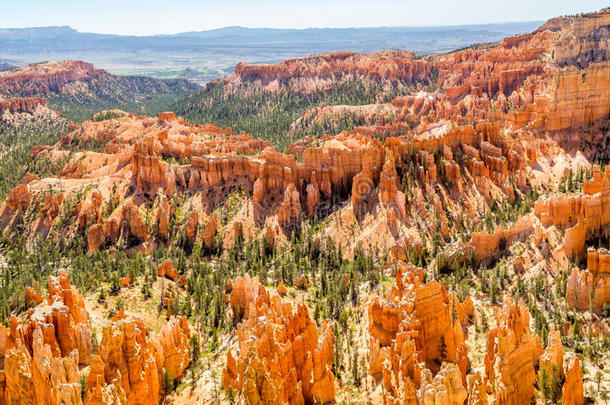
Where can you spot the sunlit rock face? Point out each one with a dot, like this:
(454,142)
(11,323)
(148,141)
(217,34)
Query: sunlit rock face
(281,356)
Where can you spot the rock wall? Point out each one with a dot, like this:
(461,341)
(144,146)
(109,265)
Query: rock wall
(572,391)
(590,288)
(585,215)
(43,78)
(320,72)
(21,105)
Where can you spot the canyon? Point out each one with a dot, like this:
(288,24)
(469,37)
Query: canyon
(449,247)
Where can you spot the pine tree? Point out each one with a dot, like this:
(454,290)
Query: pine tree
(442,348)
(544,384)
(493,293)
(195,348)
(115,285)
(355,370)
(167,383)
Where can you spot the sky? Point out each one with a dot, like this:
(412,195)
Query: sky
(146,17)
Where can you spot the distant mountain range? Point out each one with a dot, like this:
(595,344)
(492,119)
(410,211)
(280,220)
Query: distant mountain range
(206,55)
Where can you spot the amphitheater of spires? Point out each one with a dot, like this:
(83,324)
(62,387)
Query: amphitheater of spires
(501,123)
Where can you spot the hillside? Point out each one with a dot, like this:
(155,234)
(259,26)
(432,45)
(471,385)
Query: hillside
(288,93)
(78,89)
(446,243)
(208,55)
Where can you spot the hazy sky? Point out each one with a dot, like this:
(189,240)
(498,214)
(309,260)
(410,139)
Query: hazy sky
(142,17)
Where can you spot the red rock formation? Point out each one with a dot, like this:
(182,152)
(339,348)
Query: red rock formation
(32,297)
(388,189)
(43,78)
(590,288)
(444,389)
(95,237)
(412,332)
(175,341)
(486,245)
(290,207)
(552,359)
(128,365)
(512,351)
(383,66)
(167,269)
(281,358)
(209,232)
(281,288)
(313,198)
(585,215)
(477,393)
(98,392)
(41,356)
(40,377)
(21,105)
(18,198)
(572,387)
(125,281)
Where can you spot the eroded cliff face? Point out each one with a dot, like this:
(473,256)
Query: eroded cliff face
(541,80)
(43,78)
(281,358)
(585,217)
(321,72)
(21,105)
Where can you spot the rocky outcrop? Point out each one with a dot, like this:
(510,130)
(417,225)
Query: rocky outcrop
(585,215)
(43,78)
(551,360)
(32,297)
(572,391)
(412,334)
(209,232)
(174,339)
(83,83)
(590,288)
(486,246)
(21,105)
(39,376)
(41,356)
(281,357)
(167,269)
(444,389)
(477,393)
(388,189)
(512,352)
(326,69)
(128,364)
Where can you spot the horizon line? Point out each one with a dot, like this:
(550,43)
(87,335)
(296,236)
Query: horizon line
(279,28)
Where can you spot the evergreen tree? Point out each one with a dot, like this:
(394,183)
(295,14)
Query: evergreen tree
(195,348)
(167,383)
(442,348)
